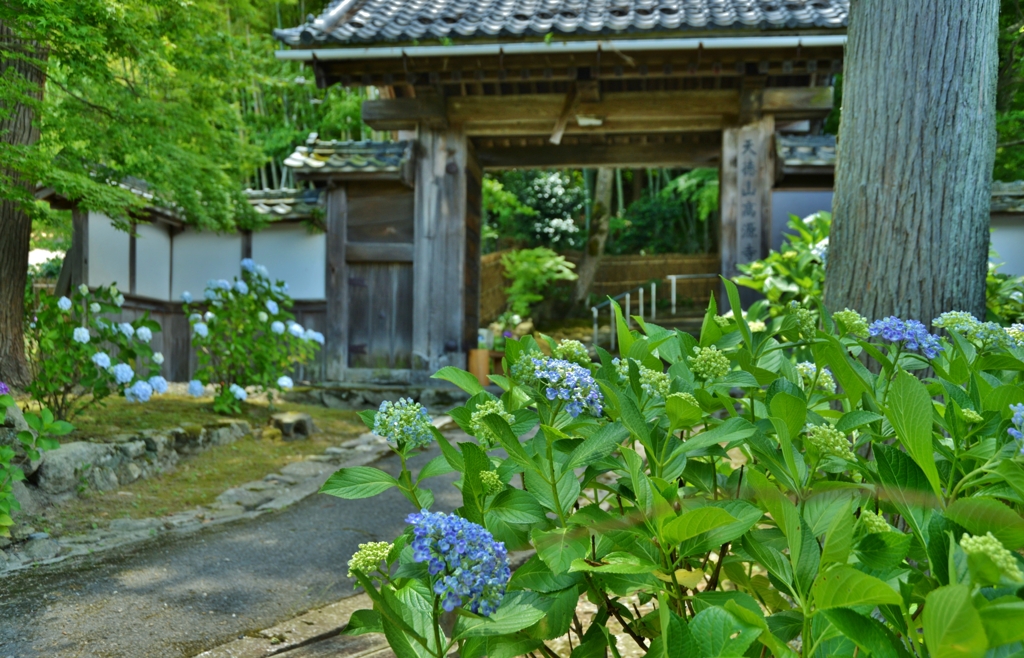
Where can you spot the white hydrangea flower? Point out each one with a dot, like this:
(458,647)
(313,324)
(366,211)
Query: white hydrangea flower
(285,382)
(119,300)
(238,392)
(295,329)
(271,307)
(200,329)
(80,335)
(64,304)
(127,329)
(94,307)
(101,359)
(262,316)
(122,373)
(277,327)
(144,334)
(186,297)
(158,358)
(84,289)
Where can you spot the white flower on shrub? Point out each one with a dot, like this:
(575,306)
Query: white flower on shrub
(295,329)
(272,307)
(144,334)
(186,297)
(119,300)
(262,317)
(158,358)
(285,382)
(200,329)
(84,289)
(94,307)
(263,271)
(209,316)
(314,336)
(64,304)
(195,388)
(80,335)
(101,359)
(127,329)
(159,384)
(195,317)
(277,327)
(238,392)
(210,293)
(557,228)
(122,373)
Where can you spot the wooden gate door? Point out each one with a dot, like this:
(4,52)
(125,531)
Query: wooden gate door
(379,253)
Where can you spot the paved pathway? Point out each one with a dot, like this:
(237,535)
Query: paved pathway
(179,596)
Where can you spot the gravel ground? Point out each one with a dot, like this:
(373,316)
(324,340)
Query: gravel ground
(178,596)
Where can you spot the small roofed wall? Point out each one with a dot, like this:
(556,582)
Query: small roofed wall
(201,256)
(295,255)
(153,261)
(108,253)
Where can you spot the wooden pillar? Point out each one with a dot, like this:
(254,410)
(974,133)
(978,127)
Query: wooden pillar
(439,250)
(474,215)
(747,176)
(336,288)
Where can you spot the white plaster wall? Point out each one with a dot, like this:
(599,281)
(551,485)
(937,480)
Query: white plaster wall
(153,261)
(795,202)
(199,257)
(108,253)
(1008,243)
(295,255)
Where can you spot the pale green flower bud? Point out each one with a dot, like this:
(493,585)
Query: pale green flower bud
(686,396)
(829,441)
(483,433)
(492,483)
(709,363)
(855,323)
(874,523)
(994,549)
(971,416)
(572,351)
(368,557)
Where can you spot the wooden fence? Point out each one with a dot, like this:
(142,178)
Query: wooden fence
(615,275)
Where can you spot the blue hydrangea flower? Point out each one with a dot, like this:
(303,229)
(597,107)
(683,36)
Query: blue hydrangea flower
(238,392)
(210,294)
(128,330)
(911,333)
(101,359)
(248,264)
(186,297)
(271,306)
(80,335)
(1017,431)
(241,287)
(404,423)
(223,284)
(200,329)
(195,388)
(285,382)
(314,336)
(295,329)
(144,334)
(122,373)
(159,384)
(64,304)
(263,271)
(561,380)
(140,391)
(4,389)
(468,568)
(277,327)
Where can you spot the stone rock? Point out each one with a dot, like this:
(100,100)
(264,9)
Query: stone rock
(348,402)
(258,485)
(160,444)
(134,525)
(305,469)
(133,449)
(39,535)
(41,549)
(61,470)
(27,498)
(247,499)
(102,478)
(375,398)
(22,531)
(287,479)
(293,424)
(336,451)
(15,419)
(5,542)
(129,472)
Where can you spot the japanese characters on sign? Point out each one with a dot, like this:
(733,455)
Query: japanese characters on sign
(748,229)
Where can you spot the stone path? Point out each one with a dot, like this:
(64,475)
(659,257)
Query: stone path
(179,595)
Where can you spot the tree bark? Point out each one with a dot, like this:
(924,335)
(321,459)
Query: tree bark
(17,127)
(599,220)
(914,171)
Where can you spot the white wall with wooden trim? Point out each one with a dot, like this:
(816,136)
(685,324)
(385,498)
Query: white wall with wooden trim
(295,255)
(108,257)
(1008,243)
(152,261)
(201,256)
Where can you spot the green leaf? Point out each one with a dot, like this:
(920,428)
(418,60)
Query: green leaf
(868,634)
(1003,622)
(464,380)
(615,562)
(910,412)
(755,619)
(516,506)
(559,547)
(904,484)
(597,446)
(675,640)
(358,482)
(681,412)
(518,610)
(732,430)
(362,622)
(718,633)
(843,587)
(472,488)
(792,410)
(509,441)
(695,522)
(855,419)
(537,576)
(838,537)
(437,466)
(982,514)
(881,551)
(952,627)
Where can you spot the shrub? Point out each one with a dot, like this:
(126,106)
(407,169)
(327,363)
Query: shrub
(531,271)
(749,506)
(245,337)
(78,357)
(42,428)
(1004,296)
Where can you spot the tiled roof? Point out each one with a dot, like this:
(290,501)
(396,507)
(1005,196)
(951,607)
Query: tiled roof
(284,203)
(344,157)
(1008,197)
(806,150)
(375,21)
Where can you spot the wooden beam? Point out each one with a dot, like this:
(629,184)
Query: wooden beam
(596,155)
(607,126)
(378,252)
(568,106)
(336,288)
(404,113)
(797,102)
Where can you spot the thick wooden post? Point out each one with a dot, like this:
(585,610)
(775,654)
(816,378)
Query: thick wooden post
(336,288)
(747,175)
(439,250)
(474,220)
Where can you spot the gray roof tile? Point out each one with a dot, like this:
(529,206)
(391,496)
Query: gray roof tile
(325,156)
(806,151)
(376,21)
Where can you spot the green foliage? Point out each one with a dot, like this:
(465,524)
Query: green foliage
(1004,296)
(531,271)
(69,374)
(245,336)
(716,505)
(533,208)
(28,446)
(1009,164)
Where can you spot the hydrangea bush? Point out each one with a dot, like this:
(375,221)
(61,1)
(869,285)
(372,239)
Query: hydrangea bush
(759,508)
(79,356)
(245,337)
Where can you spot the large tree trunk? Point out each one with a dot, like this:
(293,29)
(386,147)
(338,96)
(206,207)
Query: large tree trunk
(599,219)
(916,149)
(20,129)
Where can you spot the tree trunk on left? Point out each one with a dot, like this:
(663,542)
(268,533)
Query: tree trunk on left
(18,128)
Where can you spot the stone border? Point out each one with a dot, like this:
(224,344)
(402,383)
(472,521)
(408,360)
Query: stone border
(274,492)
